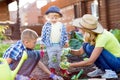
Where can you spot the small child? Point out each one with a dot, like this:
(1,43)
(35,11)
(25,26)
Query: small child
(54,37)
(14,53)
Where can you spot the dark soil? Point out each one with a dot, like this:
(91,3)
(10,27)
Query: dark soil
(38,74)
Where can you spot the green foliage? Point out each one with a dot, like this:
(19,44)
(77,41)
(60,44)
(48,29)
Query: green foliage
(2,31)
(54,59)
(3,48)
(65,52)
(37,47)
(64,65)
(116,33)
(76,40)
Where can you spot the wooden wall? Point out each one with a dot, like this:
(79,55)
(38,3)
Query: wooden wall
(4,14)
(109,11)
(113,13)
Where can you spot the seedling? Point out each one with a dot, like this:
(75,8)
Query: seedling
(76,77)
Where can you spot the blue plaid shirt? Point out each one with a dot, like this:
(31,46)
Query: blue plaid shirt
(15,51)
(45,37)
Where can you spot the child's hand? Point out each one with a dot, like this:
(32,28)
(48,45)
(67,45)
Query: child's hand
(55,77)
(42,46)
(64,65)
(66,45)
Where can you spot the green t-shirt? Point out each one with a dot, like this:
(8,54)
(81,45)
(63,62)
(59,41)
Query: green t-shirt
(109,42)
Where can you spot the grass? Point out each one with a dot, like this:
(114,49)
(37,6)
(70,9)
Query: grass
(37,47)
(3,48)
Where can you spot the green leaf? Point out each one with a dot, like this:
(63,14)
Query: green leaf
(116,33)
(75,44)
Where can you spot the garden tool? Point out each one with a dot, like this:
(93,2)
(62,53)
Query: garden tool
(76,77)
(42,53)
(5,71)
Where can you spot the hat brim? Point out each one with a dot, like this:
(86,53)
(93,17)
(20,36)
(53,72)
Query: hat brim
(54,12)
(77,23)
(99,29)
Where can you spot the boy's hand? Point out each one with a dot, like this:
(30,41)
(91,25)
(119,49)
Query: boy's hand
(64,65)
(55,77)
(42,46)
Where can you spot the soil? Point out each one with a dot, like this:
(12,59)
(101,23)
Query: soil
(38,74)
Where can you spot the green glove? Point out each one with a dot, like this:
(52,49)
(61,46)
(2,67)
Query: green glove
(64,65)
(66,51)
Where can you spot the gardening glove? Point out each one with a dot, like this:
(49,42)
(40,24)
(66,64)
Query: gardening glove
(55,77)
(66,51)
(64,65)
(21,77)
(42,53)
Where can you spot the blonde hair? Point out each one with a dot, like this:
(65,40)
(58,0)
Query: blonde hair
(28,34)
(89,36)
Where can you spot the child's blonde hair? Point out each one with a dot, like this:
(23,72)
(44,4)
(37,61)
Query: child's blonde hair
(89,36)
(28,34)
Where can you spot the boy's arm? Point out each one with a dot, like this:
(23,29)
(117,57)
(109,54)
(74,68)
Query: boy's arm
(44,68)
(51,75)
(9,60)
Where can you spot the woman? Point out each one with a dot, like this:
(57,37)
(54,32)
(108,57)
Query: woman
(102,48)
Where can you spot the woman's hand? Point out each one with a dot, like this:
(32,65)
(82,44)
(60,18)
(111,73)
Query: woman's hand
(66,45)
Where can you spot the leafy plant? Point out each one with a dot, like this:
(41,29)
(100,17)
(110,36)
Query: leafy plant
(3,48)
(2,31)
(37,47)
(76,40)
(116,33)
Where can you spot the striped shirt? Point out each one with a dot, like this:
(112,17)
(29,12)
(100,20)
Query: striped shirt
(46,32)
(15,51)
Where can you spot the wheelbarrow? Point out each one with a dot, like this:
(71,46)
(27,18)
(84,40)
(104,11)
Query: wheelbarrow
(76,77)
(5,71)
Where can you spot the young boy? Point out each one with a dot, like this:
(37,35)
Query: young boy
(54,37)
(14,53)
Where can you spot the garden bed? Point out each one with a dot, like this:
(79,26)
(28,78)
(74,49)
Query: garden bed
(38,74)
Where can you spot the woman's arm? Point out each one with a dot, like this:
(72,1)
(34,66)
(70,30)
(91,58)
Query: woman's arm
(95,54)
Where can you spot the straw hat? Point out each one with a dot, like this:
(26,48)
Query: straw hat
(88,22)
